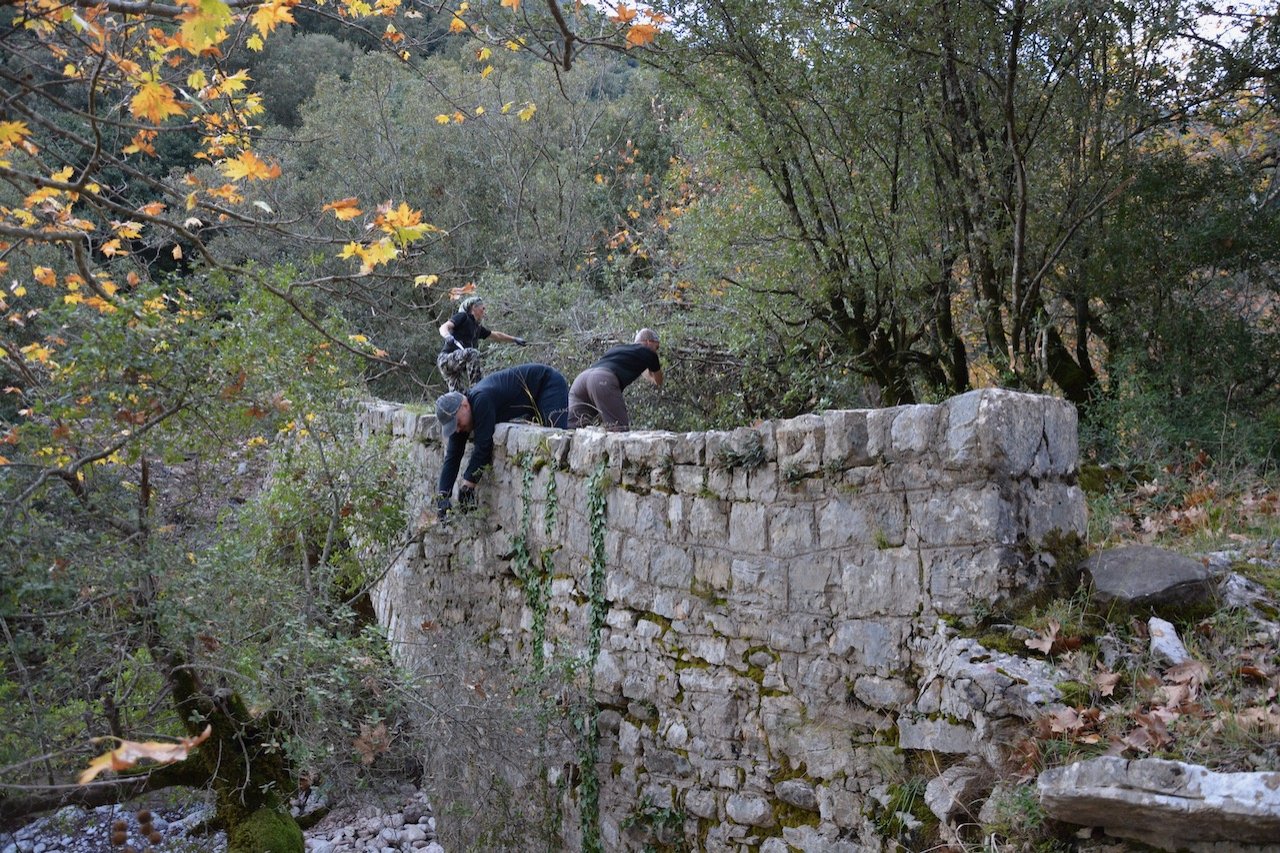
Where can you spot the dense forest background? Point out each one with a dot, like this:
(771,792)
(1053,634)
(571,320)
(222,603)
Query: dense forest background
(224,224)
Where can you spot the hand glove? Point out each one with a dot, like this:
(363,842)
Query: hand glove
(443,505)
(467,500)
(520,342)
(452,340)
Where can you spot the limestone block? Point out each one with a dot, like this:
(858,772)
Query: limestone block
(1164,801)
(649,448)
(968,515)
(709,520)
(608,672)
(1146,576)
(748,528)
(845,443)
(880,434)
(671,604)
(800,444)
(677,520)
(876,645)
(625,589)
(955,792)
(883,582)
(1009,433)
(702,803)
(676,735)
(589,449)
(689,479)
(1047,507)
(808,581)
(872,519)
(825,751)
(760,580)
(404,423)
(878,692)
(761,485)
(689,449)
(662,762)
(791,531)
(712,569)
(648,629)
(670,566)
(798,793)
(709,649)
(1166,646)
(748,809)
(959,578)
(718,482)
(914,432)
(975,679)
(936,735)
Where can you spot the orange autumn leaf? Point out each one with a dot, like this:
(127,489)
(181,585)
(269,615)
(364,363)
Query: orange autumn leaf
(344,209)
(129,753)
(513,5)
(641,34)
(623,15)
(155,102)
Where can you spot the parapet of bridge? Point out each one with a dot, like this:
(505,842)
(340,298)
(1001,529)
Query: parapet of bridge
(773,622)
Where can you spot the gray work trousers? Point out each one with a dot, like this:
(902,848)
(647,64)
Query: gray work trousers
(596,398)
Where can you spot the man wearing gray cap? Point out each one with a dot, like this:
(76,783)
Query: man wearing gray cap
(533,392)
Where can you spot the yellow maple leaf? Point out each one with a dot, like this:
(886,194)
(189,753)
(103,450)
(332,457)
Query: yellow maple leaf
(271,15)
(442,118)
(12,133)
(45,276)
(204,24)
(457,25)
(344,209)
(482,54)
(129,753)
(418,281)
(377,253)
(249,165)
(155,102)
(488,69)
(528,111)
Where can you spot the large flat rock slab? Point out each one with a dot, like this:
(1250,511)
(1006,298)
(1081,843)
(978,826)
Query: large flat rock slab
(1164,803)
(1146,576)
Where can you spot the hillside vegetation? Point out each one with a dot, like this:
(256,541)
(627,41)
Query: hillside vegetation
(223,223)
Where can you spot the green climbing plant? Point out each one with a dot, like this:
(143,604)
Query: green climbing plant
(587,724)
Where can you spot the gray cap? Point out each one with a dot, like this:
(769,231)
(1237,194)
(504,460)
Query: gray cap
(447,406)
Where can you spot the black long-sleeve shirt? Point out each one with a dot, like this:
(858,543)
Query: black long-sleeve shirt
(500,397)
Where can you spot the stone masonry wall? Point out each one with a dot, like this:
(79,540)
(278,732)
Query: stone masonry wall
(775,601)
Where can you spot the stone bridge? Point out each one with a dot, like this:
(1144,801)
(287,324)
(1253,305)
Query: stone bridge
(759,620)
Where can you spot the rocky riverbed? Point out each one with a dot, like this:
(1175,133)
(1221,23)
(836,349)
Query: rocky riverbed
(389,823)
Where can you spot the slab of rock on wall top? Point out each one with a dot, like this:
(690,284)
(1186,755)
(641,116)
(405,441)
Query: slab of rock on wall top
(771,629)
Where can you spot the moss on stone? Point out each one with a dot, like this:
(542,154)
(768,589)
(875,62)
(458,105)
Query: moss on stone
(1074,693)
(266,831)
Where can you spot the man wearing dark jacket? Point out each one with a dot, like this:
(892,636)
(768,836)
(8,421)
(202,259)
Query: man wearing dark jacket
(533,392)
(596,396)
